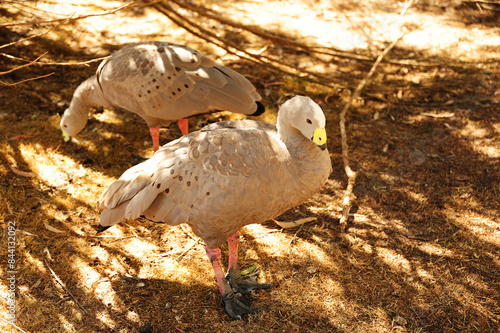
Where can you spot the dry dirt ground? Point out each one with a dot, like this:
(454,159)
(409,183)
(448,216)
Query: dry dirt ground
(421,252)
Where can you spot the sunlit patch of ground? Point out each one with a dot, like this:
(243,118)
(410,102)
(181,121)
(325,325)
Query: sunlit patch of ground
(368,25)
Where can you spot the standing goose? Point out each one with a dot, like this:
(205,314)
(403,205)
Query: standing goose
(161,82)
(223,177)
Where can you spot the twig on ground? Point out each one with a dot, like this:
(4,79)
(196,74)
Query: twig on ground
(293,238)
(23,173)
(127,237)
(13,325)
(351,174)
(187,232)
(295,223)
(54,275)
(187,250)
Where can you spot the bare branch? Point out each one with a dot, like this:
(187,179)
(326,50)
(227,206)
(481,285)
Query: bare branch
(54,275)
(111,11)
(318,49)
(232,48)
(13,325)
(351,174)
(31,37)
(30,79)
(264,33)
(41,63)
(22,66)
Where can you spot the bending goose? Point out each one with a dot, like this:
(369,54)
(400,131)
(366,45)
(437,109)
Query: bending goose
(223,177)
(161,82)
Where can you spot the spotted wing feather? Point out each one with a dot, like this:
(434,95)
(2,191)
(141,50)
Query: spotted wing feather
(165,81)
(189,176)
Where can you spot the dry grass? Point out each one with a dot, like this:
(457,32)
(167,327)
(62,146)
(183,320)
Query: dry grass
(422,249)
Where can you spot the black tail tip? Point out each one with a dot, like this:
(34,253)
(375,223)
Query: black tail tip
(260,109)
(100,228)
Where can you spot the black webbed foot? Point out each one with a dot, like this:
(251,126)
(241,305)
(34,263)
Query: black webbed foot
(236,306)
(245,284)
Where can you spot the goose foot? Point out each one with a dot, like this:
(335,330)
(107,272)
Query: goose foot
(245,284)
(236,306)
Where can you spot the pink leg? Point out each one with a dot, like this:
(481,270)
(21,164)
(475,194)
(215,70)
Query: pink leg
(240,284)
(155,135)
(183,126)
(233,250)
(215,256)
(234,305)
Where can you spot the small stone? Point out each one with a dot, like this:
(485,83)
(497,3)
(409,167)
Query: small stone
(66,247)
(146,328)
(400,321)
(311,270)
(416,157)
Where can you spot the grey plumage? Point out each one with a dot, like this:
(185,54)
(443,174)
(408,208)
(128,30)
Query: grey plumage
(161,82)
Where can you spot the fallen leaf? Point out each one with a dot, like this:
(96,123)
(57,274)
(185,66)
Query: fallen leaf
(51,228)
(248,270)
(438,115)
(23,173)
(295,223)
(37,283)
(25,232)
(20,136)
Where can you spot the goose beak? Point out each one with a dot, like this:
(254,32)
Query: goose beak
(319,138)
(66,136)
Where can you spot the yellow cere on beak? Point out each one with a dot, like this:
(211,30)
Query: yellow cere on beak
(66,136)
(319,138)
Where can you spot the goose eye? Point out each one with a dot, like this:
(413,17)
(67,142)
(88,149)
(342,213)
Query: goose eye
(309,121)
